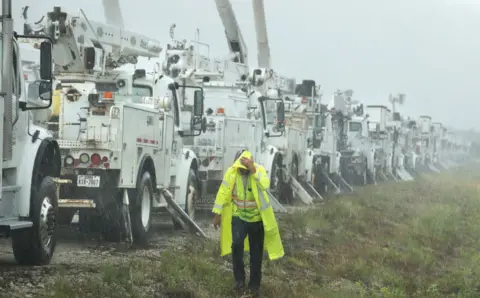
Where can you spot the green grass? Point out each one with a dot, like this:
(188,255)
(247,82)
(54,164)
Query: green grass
(410,239)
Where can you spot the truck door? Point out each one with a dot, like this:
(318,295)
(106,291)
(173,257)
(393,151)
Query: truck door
(164,154)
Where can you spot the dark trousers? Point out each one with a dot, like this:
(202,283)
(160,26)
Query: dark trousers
(255,233)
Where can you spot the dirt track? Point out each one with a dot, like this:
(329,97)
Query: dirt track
(76,253)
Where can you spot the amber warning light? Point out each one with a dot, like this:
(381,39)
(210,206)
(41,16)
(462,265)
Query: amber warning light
(107,96)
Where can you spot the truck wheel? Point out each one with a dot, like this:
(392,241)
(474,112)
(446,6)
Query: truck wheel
(141,213)
(36,245)
(190,197)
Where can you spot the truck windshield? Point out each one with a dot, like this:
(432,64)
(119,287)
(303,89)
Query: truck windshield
(271,111)
(138,91)
(355,126)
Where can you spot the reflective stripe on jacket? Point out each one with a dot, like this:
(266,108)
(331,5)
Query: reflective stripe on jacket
(244,204)
(259,182)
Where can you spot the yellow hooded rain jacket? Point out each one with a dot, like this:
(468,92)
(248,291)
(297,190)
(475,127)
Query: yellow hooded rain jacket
(224,206)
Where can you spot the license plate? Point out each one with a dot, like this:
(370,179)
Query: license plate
(88,181)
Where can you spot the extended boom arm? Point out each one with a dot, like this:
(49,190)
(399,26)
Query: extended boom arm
(83,46)
(232,31)
(263,47)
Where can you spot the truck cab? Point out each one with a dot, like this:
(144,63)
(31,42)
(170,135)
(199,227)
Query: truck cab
(30,156)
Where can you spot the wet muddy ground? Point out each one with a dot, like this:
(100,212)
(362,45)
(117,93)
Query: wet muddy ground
(77,252)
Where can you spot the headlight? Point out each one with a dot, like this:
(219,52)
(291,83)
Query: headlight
(68,160)
(84,158)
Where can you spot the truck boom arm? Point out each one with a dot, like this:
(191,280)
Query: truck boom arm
(113,13)
(263,47)
(234,36)
(76,38)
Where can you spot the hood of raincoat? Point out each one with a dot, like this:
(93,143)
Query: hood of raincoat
(237,164)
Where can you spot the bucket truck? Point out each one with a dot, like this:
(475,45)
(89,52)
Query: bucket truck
(328,129)
(355,158)
(30,156)
(400,139)
(337,160)
(399,131)
(437,135)
(121,132)
(427,143)
(378,116)
(232,124)
(282,160)
(442,152)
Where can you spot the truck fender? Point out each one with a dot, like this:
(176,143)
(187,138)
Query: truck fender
(188,160)
(146,162)
(32,157)
(267,158)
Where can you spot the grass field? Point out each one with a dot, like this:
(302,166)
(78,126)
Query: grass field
(410,239)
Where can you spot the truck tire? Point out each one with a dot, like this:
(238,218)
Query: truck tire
(36,245)
(141,212)
(190,196)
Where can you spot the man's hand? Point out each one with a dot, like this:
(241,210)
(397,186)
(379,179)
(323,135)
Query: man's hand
(247,162)
(216,221)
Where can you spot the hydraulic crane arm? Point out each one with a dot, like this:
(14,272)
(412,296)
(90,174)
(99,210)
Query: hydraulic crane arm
(235,40)
(263,47)
(81,45)
(113,13)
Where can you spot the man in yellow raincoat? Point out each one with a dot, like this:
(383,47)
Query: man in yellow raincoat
(242,208)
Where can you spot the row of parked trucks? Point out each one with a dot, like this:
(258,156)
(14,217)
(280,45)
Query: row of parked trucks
(83,132)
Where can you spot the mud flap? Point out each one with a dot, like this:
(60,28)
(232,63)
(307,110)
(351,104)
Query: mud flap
(126,216)
(180,215)
(330,183)
(276,205)
(299,191)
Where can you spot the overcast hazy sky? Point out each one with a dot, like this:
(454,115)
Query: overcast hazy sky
(428,49)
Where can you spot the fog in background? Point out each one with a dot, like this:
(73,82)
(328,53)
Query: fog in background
(428,49)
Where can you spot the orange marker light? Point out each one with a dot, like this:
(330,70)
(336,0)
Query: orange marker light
(220,111)
(107,95)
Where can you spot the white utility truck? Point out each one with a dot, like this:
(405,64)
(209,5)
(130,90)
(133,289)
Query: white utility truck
(328,131)
(121,132)
(30,156)
(286,145)
(427,143)
(231,123)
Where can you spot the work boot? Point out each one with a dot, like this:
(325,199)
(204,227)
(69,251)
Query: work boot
(254,292)
(239,288)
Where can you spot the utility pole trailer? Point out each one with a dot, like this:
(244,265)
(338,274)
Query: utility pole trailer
(30,156)
(121,133)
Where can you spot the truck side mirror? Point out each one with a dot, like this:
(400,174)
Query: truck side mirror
(280,115)
(198,103)
(46,61)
